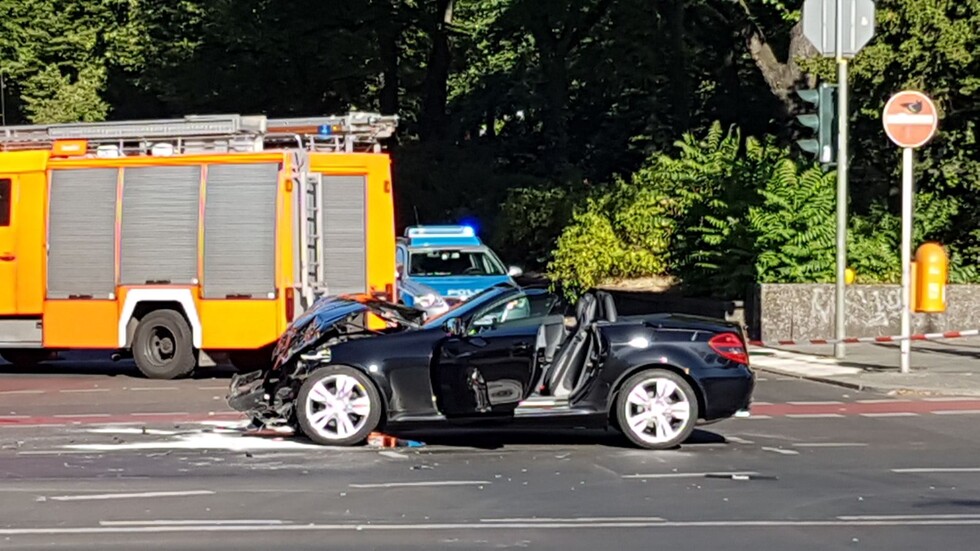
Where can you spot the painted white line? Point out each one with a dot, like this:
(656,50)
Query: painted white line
(391,454)
(70,415)
(690,475)
(813,415)
(938,470)
(826,403)
(944,399)
(455,527)
(908,517)
(76,390)
(22,392)
(780,450)
(957,412)
(14,417)
(577,519)
(90,497)
(737,440)
(191,522)
(54,452)
(212,388)
(754,416)
(891,414)
(420,484)
(830,445)
(882,401)
(141,388)
(761,403)
(159,414)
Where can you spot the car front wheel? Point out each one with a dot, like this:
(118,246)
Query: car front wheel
(338,406)
(657,409)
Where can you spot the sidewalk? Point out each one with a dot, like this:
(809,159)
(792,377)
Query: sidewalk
(939,368)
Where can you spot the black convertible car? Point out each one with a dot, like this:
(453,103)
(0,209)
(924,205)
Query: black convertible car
(506,354)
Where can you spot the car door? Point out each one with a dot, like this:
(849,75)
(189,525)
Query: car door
(488,370)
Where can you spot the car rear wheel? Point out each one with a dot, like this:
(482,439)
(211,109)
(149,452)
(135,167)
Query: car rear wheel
(338,406)
(657,409)
(162,346)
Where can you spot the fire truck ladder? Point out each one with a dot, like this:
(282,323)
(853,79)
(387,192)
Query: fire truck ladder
(209,134)
(313,282)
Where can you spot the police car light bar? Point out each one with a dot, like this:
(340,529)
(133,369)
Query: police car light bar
(439,231)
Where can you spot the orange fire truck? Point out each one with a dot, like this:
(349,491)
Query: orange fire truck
(182,241)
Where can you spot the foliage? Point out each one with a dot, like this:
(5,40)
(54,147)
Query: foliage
(515,111)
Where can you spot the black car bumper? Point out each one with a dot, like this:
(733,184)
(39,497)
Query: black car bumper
(726,394)
(247,393)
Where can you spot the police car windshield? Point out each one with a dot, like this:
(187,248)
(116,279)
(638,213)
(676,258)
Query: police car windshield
(454,262)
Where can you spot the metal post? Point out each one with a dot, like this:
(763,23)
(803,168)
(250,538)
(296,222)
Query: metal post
(907,197)
(840,323)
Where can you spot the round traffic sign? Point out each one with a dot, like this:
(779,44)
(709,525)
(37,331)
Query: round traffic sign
(910,119)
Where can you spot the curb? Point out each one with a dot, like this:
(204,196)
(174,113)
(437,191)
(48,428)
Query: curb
(890,390)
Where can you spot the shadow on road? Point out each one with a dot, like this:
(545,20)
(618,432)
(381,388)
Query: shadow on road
(100,363)
(498,438)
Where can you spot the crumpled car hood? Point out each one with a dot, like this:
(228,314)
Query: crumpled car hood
(310,328)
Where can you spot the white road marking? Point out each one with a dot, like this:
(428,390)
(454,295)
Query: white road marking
(780,450)
(159,414)
(830,445)
(882,401)
(909,517)
(89,497)
(141,388)
(191,522)
(70,415)
(14,417)
(944,399)
(421,484)
(761,403)
(938,470)
(393,455)
(813,415)
(891,414)
(212,388)
(754,416)
(74,390)
(738,440)
(690,475)
(54,452)
(578,519)
(825,403)
(22,392)
(957,412)
(457,526)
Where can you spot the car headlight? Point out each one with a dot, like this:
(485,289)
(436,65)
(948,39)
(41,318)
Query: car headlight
(428,300)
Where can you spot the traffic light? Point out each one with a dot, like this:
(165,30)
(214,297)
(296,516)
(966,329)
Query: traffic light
(823,122)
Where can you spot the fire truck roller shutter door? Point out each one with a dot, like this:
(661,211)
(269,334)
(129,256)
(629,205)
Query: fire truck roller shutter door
(159,233)
(240,231)
(344,239)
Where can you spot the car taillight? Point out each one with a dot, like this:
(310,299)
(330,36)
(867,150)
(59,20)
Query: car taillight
(290,304)
(729,346)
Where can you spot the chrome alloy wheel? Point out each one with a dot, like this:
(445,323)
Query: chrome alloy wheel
(657,410)
(337,407)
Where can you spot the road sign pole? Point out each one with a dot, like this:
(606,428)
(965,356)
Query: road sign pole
(840,324)
(907,198)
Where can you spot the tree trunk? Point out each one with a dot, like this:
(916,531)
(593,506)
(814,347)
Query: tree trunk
(388,49)
(435,95)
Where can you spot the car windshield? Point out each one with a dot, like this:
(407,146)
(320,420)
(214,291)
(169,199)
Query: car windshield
(454,262)
(476,301)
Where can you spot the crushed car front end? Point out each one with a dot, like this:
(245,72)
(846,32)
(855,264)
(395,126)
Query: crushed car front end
(267,396)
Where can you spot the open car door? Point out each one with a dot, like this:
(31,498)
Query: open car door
(488,366)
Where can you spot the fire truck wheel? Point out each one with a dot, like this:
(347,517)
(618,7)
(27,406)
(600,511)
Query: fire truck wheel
(162,347)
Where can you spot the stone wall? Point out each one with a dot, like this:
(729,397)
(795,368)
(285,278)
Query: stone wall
(807,311)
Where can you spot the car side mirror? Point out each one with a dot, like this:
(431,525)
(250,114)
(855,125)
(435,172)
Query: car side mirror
(454,326)
(514,271)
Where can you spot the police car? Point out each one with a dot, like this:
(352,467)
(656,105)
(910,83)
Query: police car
(440,266)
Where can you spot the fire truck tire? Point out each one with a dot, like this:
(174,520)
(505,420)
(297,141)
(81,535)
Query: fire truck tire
(163,347)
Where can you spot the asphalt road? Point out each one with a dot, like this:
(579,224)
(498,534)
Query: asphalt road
(815,467)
